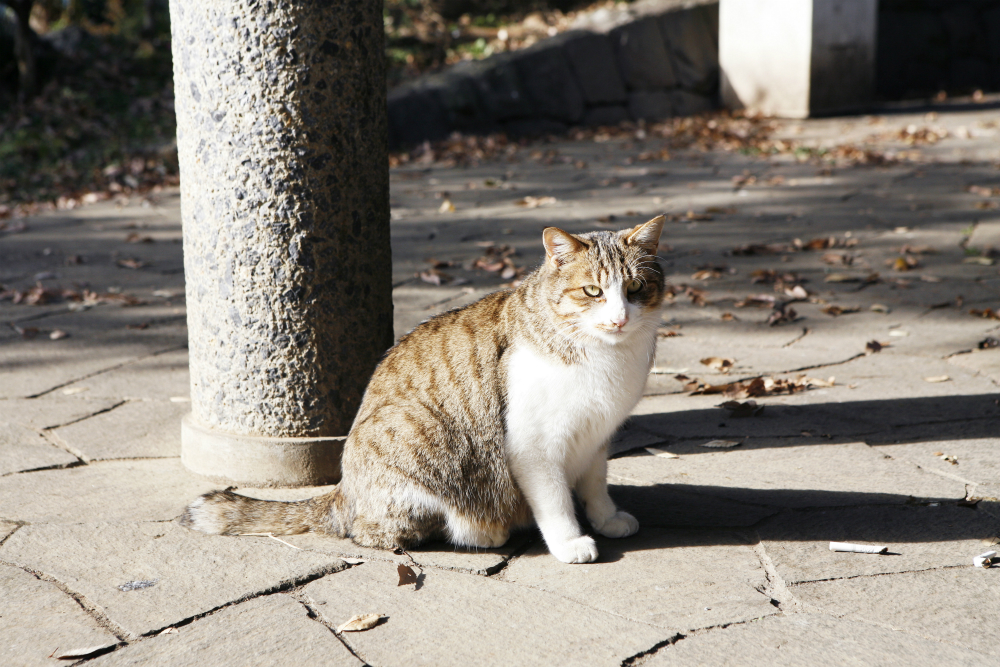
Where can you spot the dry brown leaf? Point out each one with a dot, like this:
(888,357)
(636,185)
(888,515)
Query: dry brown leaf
(406,575)
(135,237)
(706,274)
(721,364)
(360,623)
(873,346)
(840,310)
(986,313)
(131,263)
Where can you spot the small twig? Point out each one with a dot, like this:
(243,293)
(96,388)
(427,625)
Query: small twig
(271,535)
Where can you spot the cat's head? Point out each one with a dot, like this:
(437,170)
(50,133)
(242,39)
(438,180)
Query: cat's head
(604,285)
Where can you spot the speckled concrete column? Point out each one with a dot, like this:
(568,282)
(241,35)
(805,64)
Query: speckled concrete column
(281,131)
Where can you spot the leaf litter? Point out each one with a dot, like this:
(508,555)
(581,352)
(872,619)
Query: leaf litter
(754,387)
(360,623)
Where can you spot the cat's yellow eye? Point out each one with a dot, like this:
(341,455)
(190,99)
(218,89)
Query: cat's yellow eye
(633,286)
(592,290)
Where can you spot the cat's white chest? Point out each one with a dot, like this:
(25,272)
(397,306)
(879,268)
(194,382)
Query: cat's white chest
(565,413)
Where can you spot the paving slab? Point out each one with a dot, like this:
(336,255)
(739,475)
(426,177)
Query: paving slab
(134,429)
(977,460)
(810,639)
(160,377)
(52,410)
(918,538)
(957,606)
(57,622)
(241,634)
(6,528)
(145,490)
(771,472)
(464,619)
(193,573)
(24,449)
(678,580)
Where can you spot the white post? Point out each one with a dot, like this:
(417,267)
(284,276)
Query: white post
(797,58)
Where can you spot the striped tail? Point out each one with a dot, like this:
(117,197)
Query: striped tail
(228,513)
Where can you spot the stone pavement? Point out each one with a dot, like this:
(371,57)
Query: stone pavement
(731,565)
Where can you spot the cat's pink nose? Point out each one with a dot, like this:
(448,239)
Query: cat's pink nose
(620,322)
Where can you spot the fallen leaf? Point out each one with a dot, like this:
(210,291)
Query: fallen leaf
(781,315)
(721,364)
(739,410)
(57,334)
(937,378)
(446,206)
(720,444)
(879,308)
(840,310)
(135,237)
(536,202)
(360,623)
(950,459)
(983,261)
(727,317)
(435,277)
(167,631)
(841,278)
(131,263)
(82,652)
(662,453)
(873,346)
(986,313)
(406,575)
(903,263)
(668,333)
(706,274)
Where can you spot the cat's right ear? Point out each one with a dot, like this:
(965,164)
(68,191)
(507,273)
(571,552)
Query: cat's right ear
(560,246)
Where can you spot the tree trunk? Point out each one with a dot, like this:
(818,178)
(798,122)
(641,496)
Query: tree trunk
(282,140)
(24,50)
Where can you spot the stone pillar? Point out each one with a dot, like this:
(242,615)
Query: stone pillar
(797,58)
(282,140)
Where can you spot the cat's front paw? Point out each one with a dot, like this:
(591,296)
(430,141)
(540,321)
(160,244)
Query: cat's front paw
(582,549)
(621,524)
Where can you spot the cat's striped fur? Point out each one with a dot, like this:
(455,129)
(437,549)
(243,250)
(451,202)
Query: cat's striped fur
(485,418)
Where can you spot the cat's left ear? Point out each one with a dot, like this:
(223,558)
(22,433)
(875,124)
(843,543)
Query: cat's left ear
(647,235)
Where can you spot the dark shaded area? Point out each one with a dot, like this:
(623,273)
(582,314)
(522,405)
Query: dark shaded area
(926,47)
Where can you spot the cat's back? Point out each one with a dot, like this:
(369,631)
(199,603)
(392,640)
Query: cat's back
(452,361)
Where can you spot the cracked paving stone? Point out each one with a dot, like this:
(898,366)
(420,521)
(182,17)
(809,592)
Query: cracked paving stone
(433,554)
(136,429)
(809,639)
(194,573)
(978,458)
(463,619)
(24,449)
(924,537)
(6,528)
(98,341)
(958,606)
(772,473)
(144,490)
(36,619)
(674,579)
(51,410)
(242,634)
(156,378)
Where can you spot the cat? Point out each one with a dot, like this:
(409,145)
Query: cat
(486,418)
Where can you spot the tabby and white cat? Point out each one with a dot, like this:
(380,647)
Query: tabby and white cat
(487,418)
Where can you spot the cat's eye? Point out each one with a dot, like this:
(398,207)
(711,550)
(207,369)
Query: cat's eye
(592,290)
(633,286)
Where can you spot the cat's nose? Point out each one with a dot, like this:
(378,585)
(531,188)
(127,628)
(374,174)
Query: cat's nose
(620,321)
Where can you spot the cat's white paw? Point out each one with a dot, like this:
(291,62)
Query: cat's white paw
(622,524)
(582,549)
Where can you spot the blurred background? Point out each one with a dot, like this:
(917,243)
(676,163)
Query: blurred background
(86,101)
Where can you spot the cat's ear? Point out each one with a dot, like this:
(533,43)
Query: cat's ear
(560,246)
(646,235)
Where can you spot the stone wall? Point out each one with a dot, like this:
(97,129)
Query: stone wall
(925,46)
(655,59)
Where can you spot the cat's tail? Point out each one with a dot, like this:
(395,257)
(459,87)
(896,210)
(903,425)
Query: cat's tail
(228,513)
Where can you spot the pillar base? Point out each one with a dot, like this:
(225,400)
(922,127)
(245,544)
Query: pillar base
(249,460)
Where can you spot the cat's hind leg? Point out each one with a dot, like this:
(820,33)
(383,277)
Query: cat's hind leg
(592,489)
(467,531)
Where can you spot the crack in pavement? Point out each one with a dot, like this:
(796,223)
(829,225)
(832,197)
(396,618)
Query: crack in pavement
(108,369)
(805,332)
(92,610)
(774,588)
(318,616)
(881,574)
